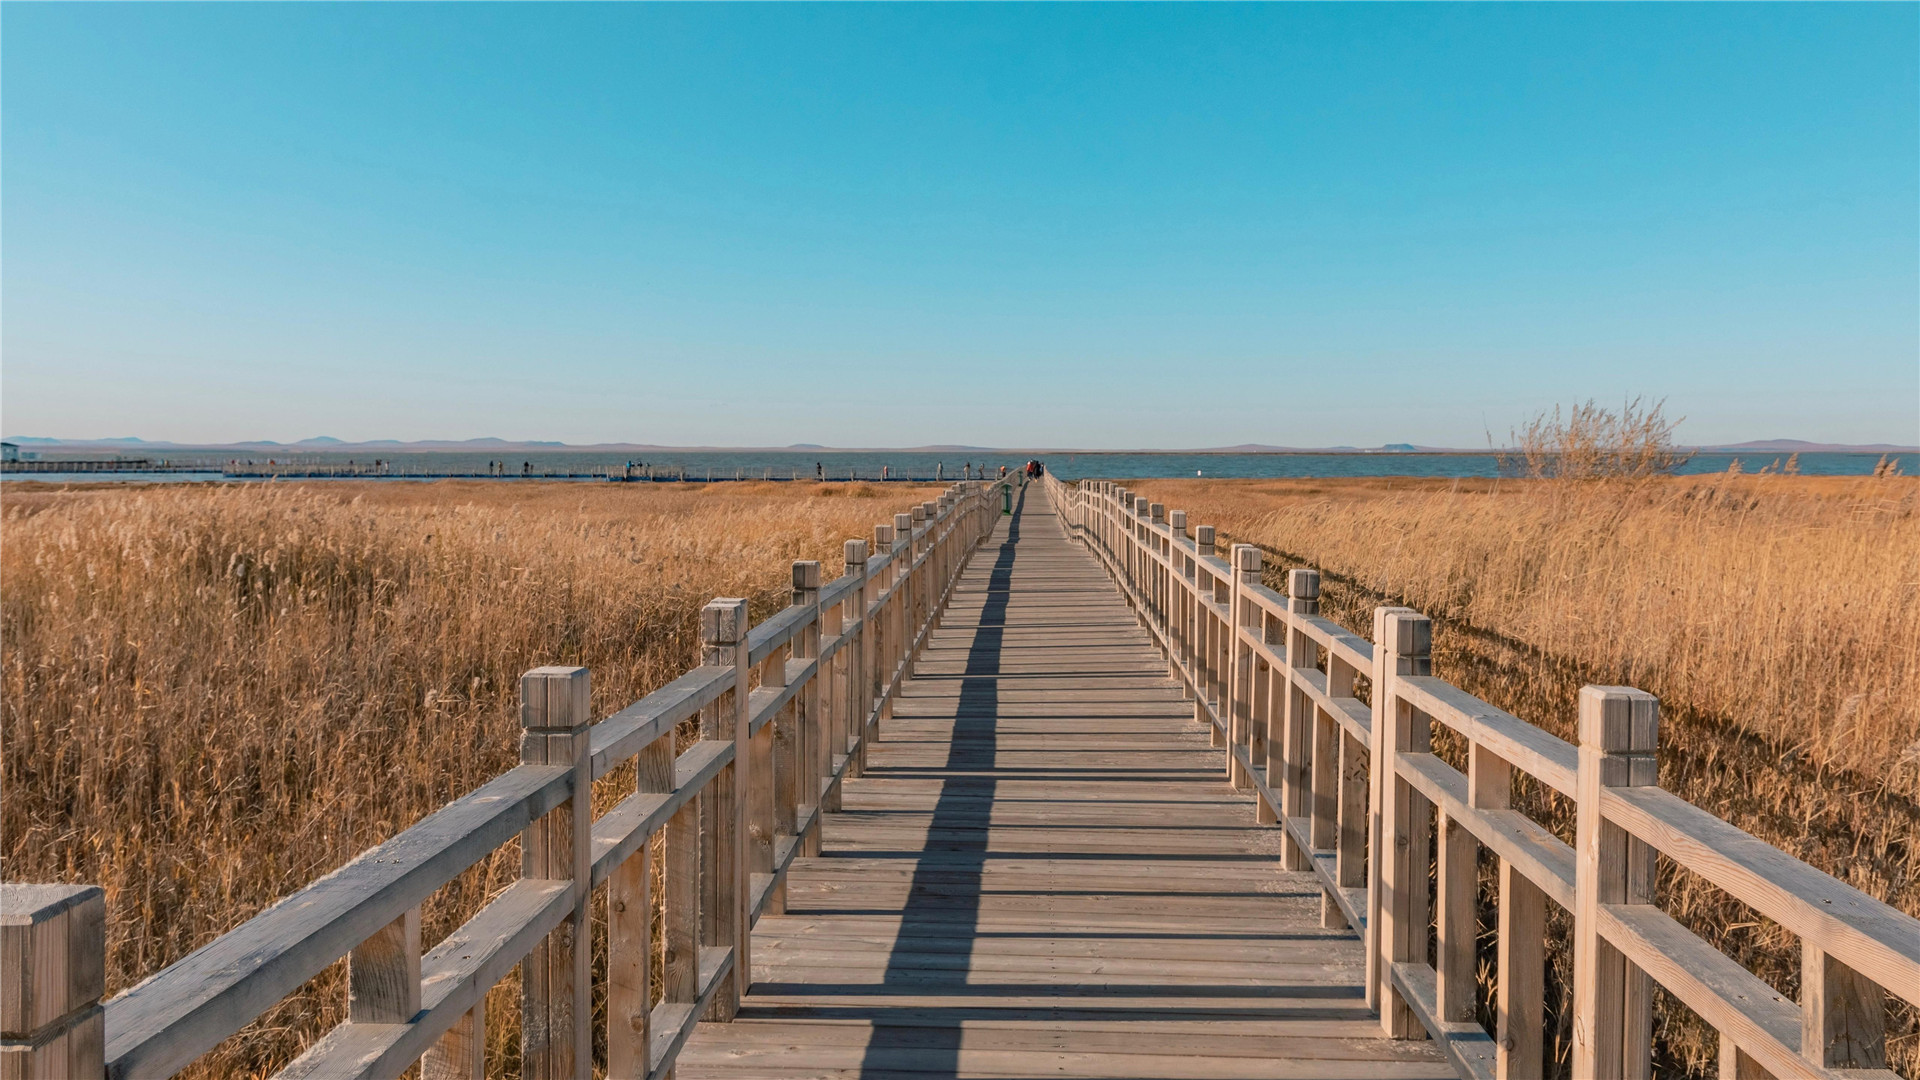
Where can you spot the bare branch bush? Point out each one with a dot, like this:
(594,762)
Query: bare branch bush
(1590,442)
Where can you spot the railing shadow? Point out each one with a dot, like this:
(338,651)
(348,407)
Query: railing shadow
(934,915)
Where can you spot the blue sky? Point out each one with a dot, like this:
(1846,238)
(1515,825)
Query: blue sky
(888,225)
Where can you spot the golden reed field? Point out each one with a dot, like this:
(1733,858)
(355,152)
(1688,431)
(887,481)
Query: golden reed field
(214,695)
(1776,616)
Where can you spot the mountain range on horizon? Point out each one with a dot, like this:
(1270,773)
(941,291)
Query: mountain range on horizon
(490,443)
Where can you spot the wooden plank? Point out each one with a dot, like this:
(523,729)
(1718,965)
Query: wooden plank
(1868,936)
(1754,1016)
(161,1025)
(628,731)
(1519,1000)
(1551,760)
(455,977)
(1465,1043)
(1542,857)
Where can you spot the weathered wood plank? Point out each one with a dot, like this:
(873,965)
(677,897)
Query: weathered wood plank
(159,1026)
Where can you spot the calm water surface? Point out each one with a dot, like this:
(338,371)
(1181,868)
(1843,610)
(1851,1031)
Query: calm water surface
(786,465)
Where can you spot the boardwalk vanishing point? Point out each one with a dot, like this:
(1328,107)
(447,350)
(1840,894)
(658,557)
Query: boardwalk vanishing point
(1040,786)
(1043,873)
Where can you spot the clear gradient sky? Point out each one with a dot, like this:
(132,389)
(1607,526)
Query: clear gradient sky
(1113,226)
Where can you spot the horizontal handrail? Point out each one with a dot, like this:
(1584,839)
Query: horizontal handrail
(1344,779)
(159,1026)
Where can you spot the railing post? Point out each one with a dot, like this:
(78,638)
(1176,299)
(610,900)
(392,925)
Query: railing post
(1156,517)
(886,626)
(919,536)
(760,785)
(1843,1014)
(53,969)
(1287,755)
(1207,639)
(1612,999)
(1403,819)
(859,701)
(1353,818)
(629,941)
(905,588)
(1456,916)
(1519,1016)
(1140,574)
(810,751)
(1179,623)
(723,871)
(1246,571)
(556,994)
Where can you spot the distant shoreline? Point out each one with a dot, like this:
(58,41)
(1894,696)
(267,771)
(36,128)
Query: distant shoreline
(139,449)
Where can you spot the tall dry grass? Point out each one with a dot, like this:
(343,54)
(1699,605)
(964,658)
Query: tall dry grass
(1776,616)
(211,696)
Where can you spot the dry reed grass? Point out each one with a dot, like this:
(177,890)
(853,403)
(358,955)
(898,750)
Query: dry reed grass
(212,696)
(1774,615)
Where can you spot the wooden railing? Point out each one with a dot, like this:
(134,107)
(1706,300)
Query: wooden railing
(784,712)
(1347,778)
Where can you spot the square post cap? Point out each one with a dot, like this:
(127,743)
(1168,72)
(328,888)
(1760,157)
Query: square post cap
(723,621)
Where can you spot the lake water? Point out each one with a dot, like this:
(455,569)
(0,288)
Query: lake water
(785,465)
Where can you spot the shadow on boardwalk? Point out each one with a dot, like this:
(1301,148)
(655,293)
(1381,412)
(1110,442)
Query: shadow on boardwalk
(1043,873)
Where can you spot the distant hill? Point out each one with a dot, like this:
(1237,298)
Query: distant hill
(491,444)
(1801,446)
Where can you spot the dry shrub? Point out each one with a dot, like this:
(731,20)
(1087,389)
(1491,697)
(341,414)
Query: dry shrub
(1594,443)
(214,695)
(1774,615)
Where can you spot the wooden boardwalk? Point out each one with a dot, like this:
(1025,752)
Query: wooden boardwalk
(1043,872)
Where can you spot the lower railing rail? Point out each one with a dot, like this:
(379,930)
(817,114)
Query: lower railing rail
(1346,779)
(736,761)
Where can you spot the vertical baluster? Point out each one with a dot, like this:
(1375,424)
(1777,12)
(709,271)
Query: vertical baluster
(1843,1014)
(1180,622)
(460,1052)
(723,869)
(1612,999)
(1350,857)
(53,969)
(1403,838)
(1262,710)
(832,729)
(556,997)
(760,786)
(1239,712)
(1217,592)
(1736,1065)
(886,634)
(809,747)
(859,702)
(1158,519)
(630,934)
(1520,979)
(1303,598)
(1456,921)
